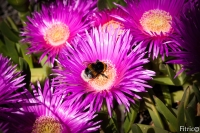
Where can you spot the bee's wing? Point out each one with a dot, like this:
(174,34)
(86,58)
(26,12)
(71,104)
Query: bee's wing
(89,76)
(86,63)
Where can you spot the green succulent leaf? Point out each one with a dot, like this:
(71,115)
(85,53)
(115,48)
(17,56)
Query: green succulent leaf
(177,96)
(196,91)
(45,66)
(38,74)
(169,72)
(190,112)
(7,32)
(131,116)
(162,68)
(181,117)
(1,39)
(188,92)
(182,78)
(136,129)
(153,111)
(101,4)
(109,4)
(122,2)
(172,74)
(108,125)
(150,129)
(19,5)
(163,80)
(10,50)
(23,16)
(182,109)
(23,50)
(169,116)
(166,95)
(12,24)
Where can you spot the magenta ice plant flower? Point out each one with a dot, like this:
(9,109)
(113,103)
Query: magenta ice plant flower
(187,36)
(151,21)
(56,25)
(122,76)
(10,81)
(105,19)
(50,113)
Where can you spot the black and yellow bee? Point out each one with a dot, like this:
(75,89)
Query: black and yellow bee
(93,70)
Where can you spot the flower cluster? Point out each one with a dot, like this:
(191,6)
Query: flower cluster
(98,58)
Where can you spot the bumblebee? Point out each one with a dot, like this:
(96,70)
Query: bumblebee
(93,70)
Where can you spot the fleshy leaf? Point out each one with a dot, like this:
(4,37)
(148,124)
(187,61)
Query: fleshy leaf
(164,80)
(153,111)
(7,32)
(12,24)
(131,116)
(160,106)
(151,129)
(177,80)
(166,95)
(190,112)
(11,50)
(38,74)
(28,58)
(108,125)
(176,96)
(136,129)
(181,109)
(19,5)
(196,91)
(171,75)
(110,3)
(101,4)
(45,66)
(181,117)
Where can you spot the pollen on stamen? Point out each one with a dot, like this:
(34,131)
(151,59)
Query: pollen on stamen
(101,82)
(45,124)
(112,24)
(57,34)
(156,21)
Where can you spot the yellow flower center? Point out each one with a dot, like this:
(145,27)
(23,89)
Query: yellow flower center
(57,34)
(102,82)
(112,24)
(156,21)
(47,124)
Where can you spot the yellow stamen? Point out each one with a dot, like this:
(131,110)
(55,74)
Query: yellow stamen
(47,124)
(112,24)
(156,21)
(57,34)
